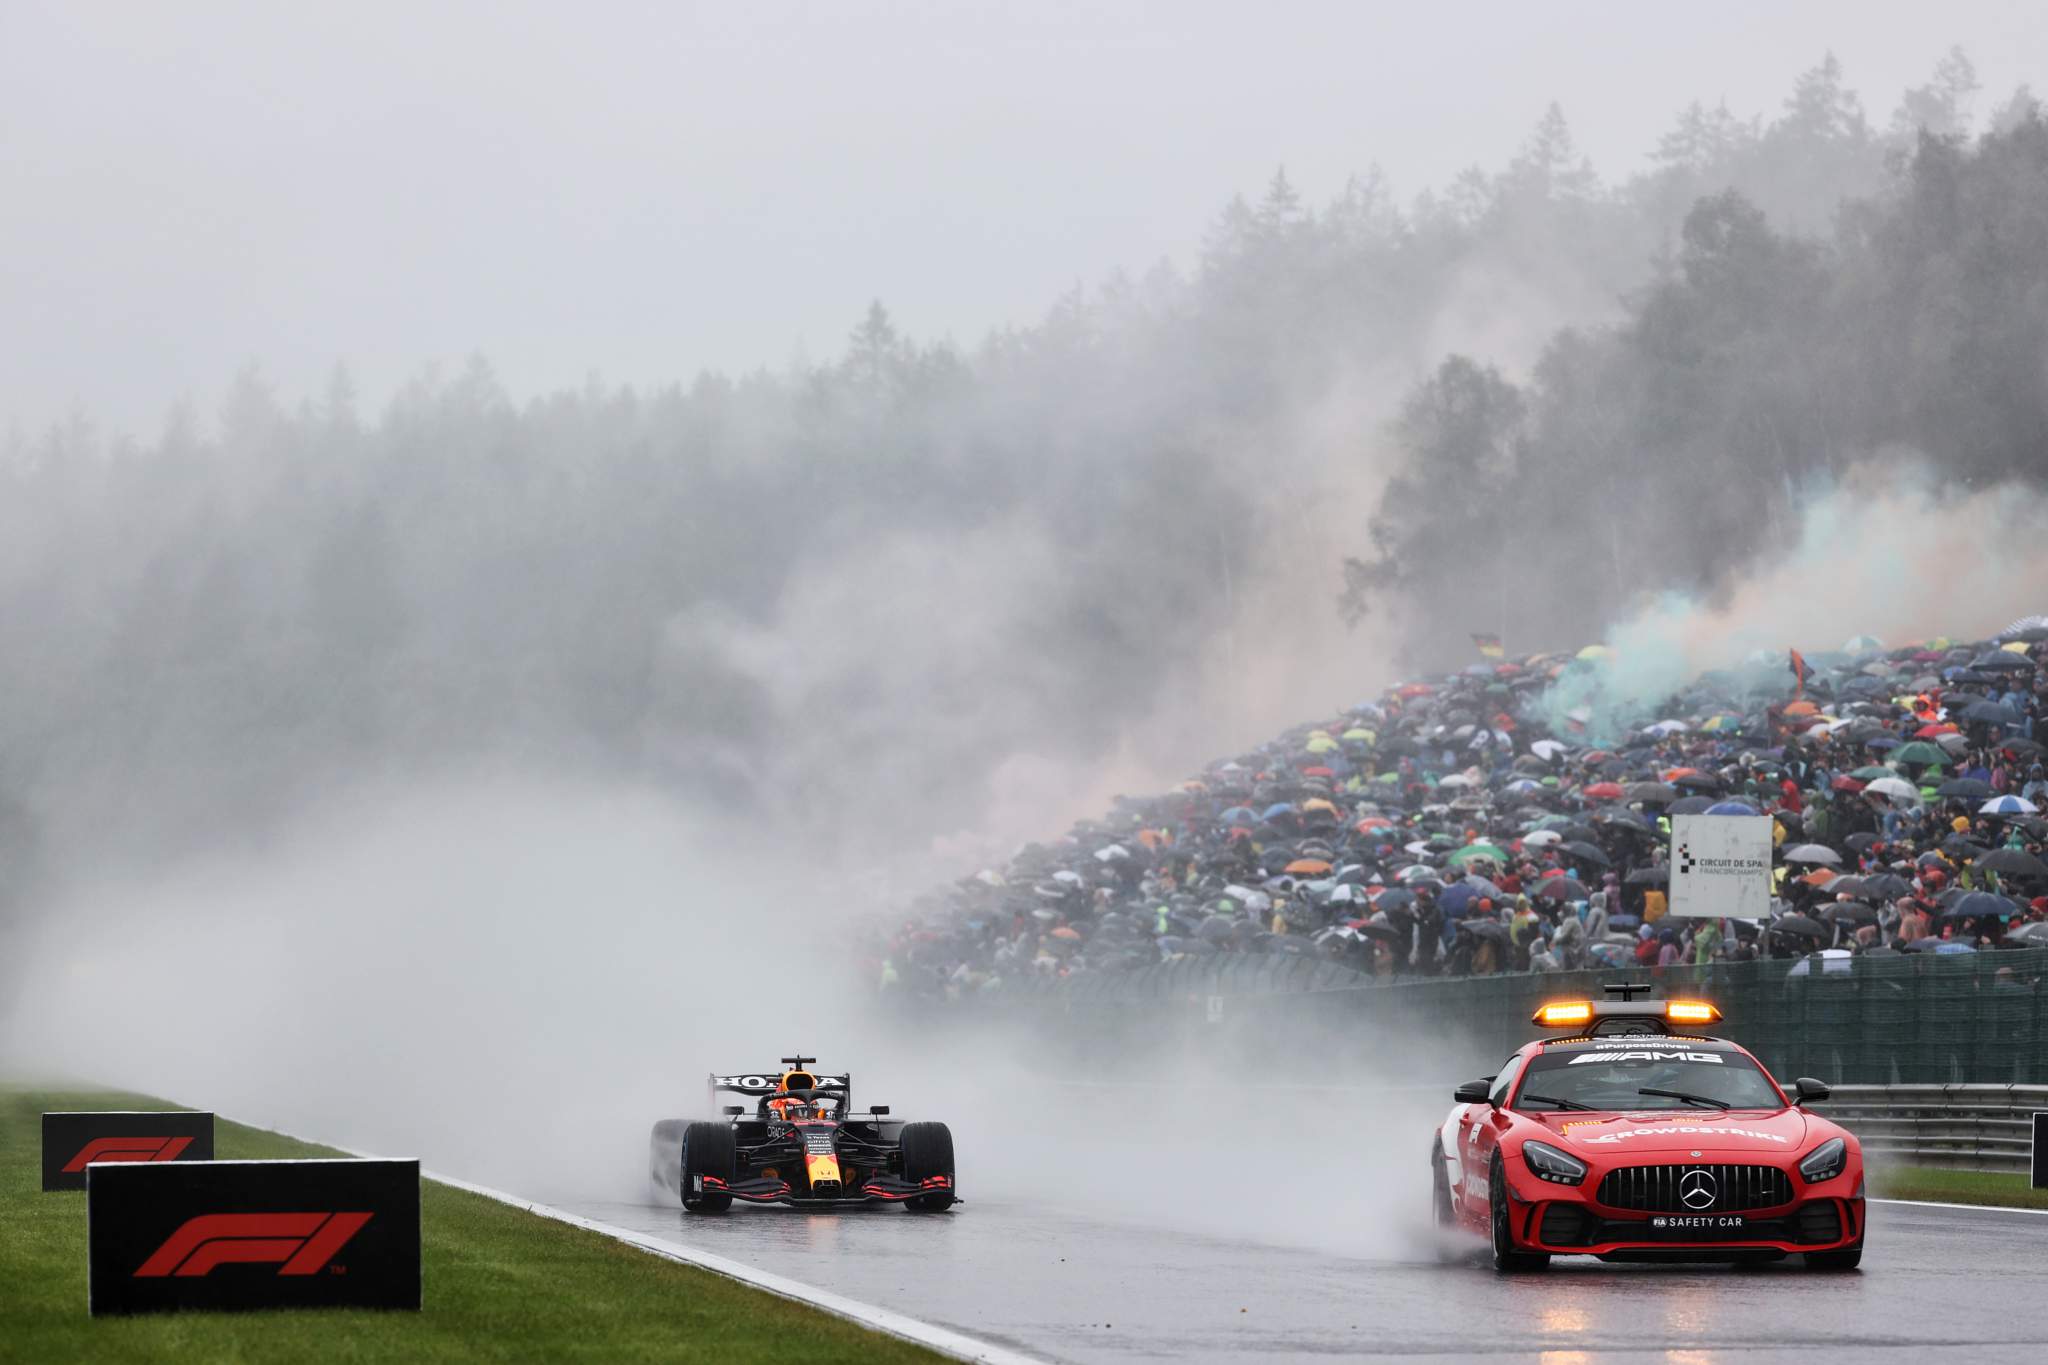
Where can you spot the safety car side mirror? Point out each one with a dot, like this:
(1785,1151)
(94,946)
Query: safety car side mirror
(1473,1092)
(1807,1090)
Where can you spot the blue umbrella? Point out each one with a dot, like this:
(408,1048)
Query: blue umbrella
(2006,805)
(1978,903)
(1944,948)
(1276,810)
(1730,808)
(1457,899)
(1238,815)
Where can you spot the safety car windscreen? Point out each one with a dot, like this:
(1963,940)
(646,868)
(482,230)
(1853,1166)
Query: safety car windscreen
(1614,1077)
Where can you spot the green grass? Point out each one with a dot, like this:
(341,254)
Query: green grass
(500,1285)
(1940,1186)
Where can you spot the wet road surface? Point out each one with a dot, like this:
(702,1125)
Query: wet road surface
(1936,1284)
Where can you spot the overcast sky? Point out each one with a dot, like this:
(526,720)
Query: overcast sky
(644,190)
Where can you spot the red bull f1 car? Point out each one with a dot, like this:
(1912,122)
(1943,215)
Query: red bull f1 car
(1631,1136)
(803,1144)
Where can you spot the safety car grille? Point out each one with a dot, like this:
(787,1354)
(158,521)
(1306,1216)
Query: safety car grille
(1564,1225)
(1820,1221)
(1712,1188)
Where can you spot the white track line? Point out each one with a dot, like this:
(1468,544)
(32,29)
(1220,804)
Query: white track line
(944,1340)
(1966,1208)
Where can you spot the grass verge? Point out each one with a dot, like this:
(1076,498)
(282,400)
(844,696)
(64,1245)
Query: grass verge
(501,1285)
(1937,1185)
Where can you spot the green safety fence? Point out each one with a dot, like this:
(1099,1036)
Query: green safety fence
(1907,1018)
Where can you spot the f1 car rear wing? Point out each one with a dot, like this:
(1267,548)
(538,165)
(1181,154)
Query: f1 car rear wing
(761,1083)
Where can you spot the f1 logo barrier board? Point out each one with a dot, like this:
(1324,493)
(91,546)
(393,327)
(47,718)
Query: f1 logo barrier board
(2039,1173)
(71,1142)
(253,1234)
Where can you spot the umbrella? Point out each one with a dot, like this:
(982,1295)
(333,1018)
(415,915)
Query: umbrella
(1989,713)
(1800,925)
(1485,928)
(2007,805)
(1470,852)
(1977,904)
(1896,788)
(1547,749)
(2002,661)
(1586,852)
(2013,862)
(1541,838)
(1849,912)
(1306,867)
(2035,934)
(1886,886)
(1930,945)
(1812,853)
(1872,773)
(1964,789)
(1561,889)
(1919,751)
(1660,875)
(1651,791)
(1705,782)
(1691,805)
(1730,808)
(1603,791)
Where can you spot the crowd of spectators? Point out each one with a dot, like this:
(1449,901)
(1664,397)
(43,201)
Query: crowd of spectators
(1475,823)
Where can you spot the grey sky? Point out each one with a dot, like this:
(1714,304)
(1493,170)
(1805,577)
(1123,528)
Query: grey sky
(643,190)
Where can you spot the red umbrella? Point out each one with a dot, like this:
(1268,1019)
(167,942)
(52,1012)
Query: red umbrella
(1603,791)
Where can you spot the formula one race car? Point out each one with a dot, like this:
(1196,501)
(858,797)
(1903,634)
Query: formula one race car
(803,1145)
(1630,1139)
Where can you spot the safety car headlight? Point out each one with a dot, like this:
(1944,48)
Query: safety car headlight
(1548,1163)
(1826,1161)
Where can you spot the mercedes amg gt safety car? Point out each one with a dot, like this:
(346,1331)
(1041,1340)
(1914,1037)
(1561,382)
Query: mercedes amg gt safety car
(802,1144)
(1630,1137)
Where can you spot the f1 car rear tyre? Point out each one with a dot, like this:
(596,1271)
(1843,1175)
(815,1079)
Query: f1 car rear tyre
(1848,1258)
(707,1150)
(928,1151)
(1505,1257)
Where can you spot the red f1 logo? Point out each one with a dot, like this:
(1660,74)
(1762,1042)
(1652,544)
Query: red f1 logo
(304,1242)
(127,1149)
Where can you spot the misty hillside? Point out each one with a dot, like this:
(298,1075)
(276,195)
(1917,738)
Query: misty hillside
(847,592)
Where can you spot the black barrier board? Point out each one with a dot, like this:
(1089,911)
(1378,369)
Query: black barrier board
(2040,1180)
(71,1141)
(253,1234)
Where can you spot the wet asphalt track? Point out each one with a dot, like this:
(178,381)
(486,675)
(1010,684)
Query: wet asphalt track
(1936,1284)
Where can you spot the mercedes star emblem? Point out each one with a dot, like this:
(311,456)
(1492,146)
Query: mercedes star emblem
(1697,1189)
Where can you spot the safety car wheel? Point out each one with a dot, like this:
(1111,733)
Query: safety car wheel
(1505,1257)
(928,1151)
(707,1150)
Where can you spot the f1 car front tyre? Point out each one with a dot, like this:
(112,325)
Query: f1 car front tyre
(1505,1257)
(928,1151)
(707,1150)
(1848,1258)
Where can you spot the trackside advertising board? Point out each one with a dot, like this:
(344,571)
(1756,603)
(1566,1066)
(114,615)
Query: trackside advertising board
(252,1234)
(73,1141)
(1721,866)
(2039,1171)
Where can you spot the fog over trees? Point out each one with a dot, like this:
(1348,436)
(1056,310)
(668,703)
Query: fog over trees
(884,574)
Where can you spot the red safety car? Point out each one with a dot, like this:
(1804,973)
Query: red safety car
(1632,1137)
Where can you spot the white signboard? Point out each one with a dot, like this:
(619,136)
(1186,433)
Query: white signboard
(1721,866)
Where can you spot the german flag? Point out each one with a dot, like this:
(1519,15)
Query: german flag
(1490,646)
